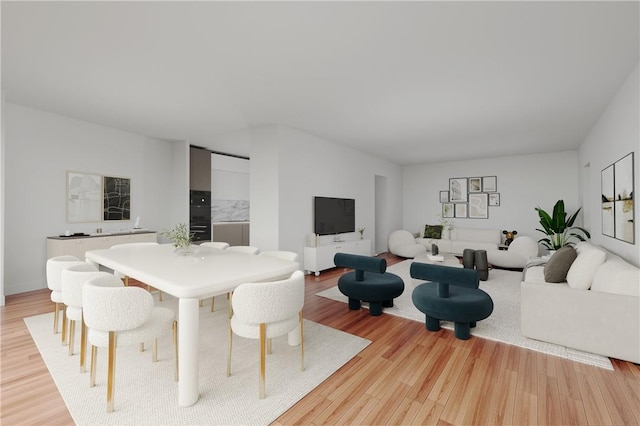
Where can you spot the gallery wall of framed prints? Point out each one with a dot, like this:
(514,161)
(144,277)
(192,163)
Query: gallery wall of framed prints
(470,197)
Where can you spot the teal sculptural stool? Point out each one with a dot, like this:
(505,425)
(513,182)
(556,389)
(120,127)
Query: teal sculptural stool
(369,282)
(451,295)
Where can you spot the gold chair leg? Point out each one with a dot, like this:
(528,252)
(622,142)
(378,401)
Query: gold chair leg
(92,369)
(201,304)
(213,299)
(229,352)
(126,281)
(154,352)
(64,325)
(72,332)
(176,371)
(55,317)
(83,346)
(301,344)
(263,335)
(229,297)
(111,371)
(159,295)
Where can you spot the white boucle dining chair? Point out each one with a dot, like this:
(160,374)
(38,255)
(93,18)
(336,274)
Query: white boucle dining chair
(244,249)
(125,277)
(55,266)
(281,254)
(216,244)
(266,310)
(117,316)
(73,279)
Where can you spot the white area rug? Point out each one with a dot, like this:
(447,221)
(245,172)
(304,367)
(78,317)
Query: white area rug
(504,323)
(145,392)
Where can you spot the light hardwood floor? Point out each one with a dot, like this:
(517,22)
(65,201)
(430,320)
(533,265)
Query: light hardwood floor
(406,376)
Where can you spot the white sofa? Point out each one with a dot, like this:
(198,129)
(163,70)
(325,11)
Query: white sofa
(596,310)
(462,238)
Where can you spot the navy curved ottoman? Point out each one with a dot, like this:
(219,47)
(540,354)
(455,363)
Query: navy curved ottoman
(369,282)
(452,295)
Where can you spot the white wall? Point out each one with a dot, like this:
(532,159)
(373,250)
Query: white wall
(40,148)
(229,178)
(616,134)
(524,182)
(2,191)
(308,166)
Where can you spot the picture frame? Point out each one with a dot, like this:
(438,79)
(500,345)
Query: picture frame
(489,184)
(623,208)
(447,210)
(458,190)
(475,184)
(607,199)
(494,199)
(444,196)
(461,210)
(116,198)
(478,206)
(84,197)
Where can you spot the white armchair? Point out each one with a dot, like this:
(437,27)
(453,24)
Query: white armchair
(402,243)
(244,249)
(116,316)
(516,256)
(266,310)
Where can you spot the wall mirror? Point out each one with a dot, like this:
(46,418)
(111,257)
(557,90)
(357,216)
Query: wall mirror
(618,210)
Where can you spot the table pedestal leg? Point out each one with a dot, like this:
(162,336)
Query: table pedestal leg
(188,333)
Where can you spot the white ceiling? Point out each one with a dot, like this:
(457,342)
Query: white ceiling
(412,82)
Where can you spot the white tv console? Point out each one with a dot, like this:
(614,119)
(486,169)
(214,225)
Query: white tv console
(319,258)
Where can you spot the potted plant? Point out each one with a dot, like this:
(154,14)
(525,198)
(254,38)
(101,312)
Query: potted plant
(361,231)
(181,237)
(558,228)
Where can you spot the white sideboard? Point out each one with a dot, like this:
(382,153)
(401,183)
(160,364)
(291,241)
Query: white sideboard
(77,246)
(319,258)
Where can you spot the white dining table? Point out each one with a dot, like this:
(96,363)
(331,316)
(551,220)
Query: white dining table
(205,273)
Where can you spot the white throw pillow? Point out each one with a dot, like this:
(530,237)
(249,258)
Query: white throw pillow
(584,268)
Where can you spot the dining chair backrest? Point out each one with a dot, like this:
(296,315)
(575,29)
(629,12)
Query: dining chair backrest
(109,306)
(268,302)
(245,249)
(281,254)
(73,280)
(216,244)
(55,266)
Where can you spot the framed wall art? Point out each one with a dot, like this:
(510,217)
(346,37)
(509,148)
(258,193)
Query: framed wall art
(458,190)
(444,196)
(494,199)
(623,208)
(475,184)
(116,198)
(617,198)
(447,210)
(607,191)
(461,210)
(84,197)
(478,206)
(489,184)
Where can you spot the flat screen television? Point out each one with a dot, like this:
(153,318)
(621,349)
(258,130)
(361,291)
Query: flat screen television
(334,215)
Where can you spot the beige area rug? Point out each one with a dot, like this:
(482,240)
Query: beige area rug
(504,323)
(146,394)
